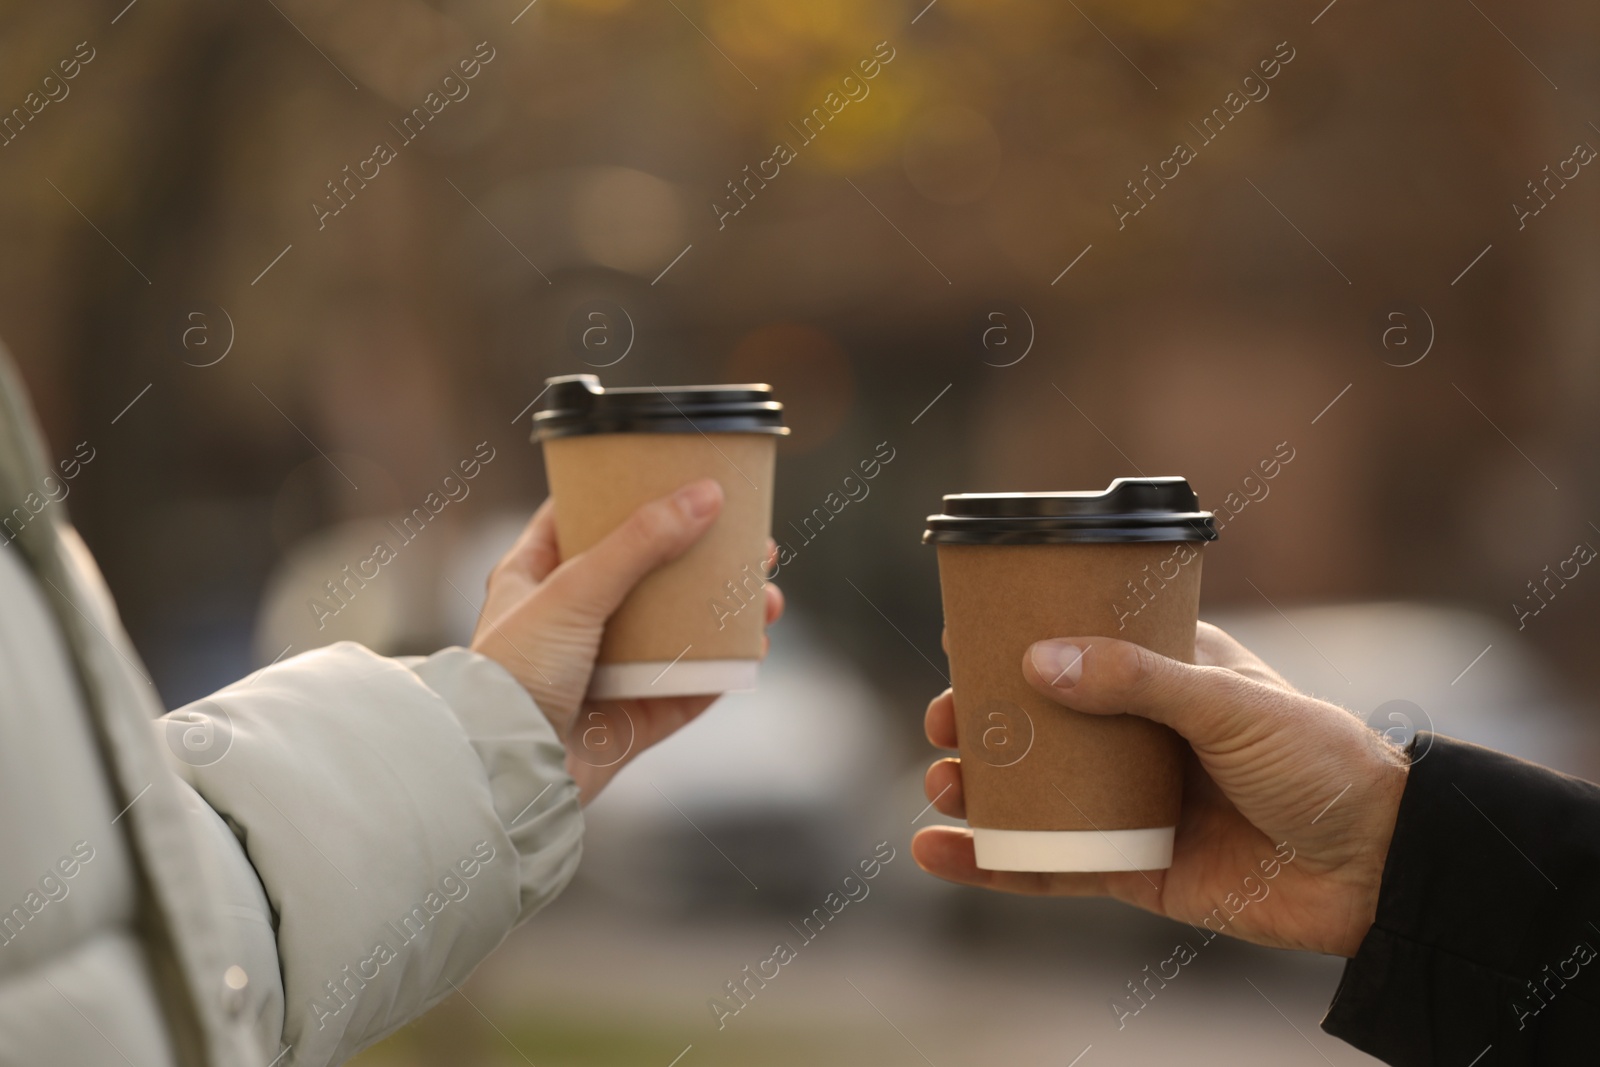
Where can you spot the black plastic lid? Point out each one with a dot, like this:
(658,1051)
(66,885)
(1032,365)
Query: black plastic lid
(1129,509)
(577,404)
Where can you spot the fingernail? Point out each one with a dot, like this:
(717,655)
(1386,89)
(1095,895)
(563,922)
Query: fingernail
(1059,663)
(699,499)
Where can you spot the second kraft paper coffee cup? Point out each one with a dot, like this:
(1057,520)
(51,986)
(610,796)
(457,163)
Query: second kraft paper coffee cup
(694,625)
(1048,788)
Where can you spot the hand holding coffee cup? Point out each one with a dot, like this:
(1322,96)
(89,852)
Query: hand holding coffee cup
(1280,785)
(544,616)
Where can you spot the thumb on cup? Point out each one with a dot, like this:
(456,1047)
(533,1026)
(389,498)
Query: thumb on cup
(596,581)
(1103,676)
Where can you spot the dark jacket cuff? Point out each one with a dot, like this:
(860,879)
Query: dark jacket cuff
(1483,936)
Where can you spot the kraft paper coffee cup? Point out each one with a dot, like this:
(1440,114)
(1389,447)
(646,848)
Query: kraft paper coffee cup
(694,625)
(1048,788)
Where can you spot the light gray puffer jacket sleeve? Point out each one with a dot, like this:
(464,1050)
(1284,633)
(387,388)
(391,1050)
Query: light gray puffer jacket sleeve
(402,816)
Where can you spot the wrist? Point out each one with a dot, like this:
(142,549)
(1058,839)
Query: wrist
(1365,870)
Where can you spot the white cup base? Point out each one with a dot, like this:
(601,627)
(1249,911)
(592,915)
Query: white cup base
(1073,850)
(666,678)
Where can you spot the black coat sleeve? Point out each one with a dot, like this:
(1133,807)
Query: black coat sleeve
(1486,946)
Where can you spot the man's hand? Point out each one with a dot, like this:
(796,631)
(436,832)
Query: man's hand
(543,618)
(1269,765)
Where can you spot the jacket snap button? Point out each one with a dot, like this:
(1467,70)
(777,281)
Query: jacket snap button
(234,981)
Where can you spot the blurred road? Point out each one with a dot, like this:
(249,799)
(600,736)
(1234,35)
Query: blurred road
(590,984)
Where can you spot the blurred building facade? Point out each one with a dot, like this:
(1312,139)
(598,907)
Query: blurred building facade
(982,249)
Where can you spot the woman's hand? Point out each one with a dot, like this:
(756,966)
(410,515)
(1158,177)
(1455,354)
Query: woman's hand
(1270,765)
(543,618)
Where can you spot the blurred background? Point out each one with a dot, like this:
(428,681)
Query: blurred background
(278,267)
